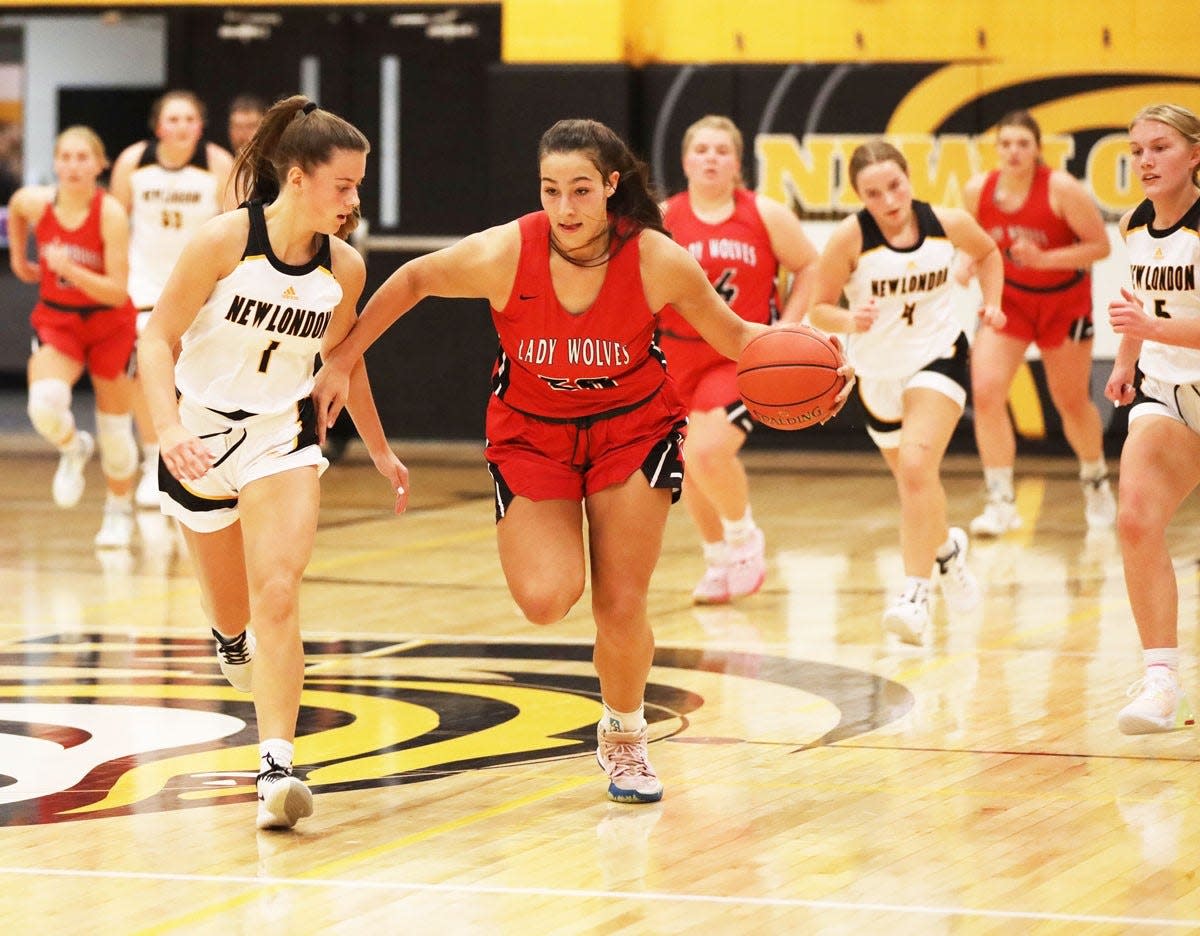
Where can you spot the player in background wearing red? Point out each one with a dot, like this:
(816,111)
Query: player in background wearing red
(1050,232)
(893,260)
(83,320)
(742,240)
(583,421)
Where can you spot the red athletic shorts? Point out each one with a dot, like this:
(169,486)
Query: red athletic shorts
(540,460)
(1049,318)
(102,341)
(704,378)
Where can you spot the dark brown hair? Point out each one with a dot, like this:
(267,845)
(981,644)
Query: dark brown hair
(633,203)
(294,132)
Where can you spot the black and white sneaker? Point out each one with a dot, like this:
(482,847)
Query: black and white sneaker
(236,656)
(283,800)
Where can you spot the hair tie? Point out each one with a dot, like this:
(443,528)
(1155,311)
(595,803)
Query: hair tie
(309,107)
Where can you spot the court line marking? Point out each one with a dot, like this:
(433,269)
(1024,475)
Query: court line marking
(585,893)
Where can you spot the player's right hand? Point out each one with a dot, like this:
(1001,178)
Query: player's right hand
(186,457)
(330,391)
(864,316)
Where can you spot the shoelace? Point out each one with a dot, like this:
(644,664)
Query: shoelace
(1160,686)
(235,652)
(947,563)
(628,758)
(274,771)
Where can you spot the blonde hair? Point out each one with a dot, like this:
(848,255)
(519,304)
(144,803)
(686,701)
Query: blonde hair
(716,122)
(90,137)
(1179,119)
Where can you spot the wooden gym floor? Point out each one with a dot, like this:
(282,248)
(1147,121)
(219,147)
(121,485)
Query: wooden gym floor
(819,778)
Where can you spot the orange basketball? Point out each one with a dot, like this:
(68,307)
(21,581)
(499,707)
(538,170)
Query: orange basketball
(788,377)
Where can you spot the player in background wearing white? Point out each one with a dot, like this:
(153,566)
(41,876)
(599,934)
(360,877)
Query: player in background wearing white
(83,321)
(742,240)
(254,297)
(170,185)
(1158,319)
(893,260)
(1049,231)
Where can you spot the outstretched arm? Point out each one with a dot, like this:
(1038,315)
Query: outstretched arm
(351,273)
(481,266)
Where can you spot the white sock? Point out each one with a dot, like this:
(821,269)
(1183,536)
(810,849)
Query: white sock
(278,750)
(120,502)
(999,482)
(1093,471)
(1162,656)
(624,721)
(716,554)
(947,549)
(917,587)
(737,531)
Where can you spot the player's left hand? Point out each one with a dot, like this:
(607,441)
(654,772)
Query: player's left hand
(1127,316)
(388,465)
(1026,253)
(56,257)
(846,370)
(993,316)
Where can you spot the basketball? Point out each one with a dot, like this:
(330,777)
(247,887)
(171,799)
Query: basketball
(788,377)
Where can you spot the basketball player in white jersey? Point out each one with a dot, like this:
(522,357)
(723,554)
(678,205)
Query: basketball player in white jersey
(893,261)
(254,297)
(1158,319)
(170,185)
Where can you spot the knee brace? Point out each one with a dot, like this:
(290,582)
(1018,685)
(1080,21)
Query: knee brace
(50,410)
(118,450)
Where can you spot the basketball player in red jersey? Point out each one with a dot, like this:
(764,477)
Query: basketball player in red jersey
(583,418)
(1050,232)
(741,240)
(83,320)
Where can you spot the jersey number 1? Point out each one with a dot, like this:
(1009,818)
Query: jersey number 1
(266,357)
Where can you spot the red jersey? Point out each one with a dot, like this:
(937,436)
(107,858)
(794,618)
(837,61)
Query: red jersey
(736,255)
(85,244)
(1034,221)
(557,365)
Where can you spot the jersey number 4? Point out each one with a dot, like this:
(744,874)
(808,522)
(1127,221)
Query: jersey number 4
(724,286)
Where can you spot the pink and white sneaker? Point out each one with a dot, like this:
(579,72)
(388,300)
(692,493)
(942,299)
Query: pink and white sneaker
(714,587)
(747,564)
(623,756)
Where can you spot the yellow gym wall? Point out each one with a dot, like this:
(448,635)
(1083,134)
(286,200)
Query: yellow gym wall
(1104,33)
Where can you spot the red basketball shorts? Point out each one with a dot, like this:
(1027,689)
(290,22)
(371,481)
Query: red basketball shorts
(1049,318)
(570,460)
(102,341)
(704,378)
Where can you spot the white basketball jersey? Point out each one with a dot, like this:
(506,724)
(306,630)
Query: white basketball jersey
(167,207)
(911,288)
(1164,266)
(253,344)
